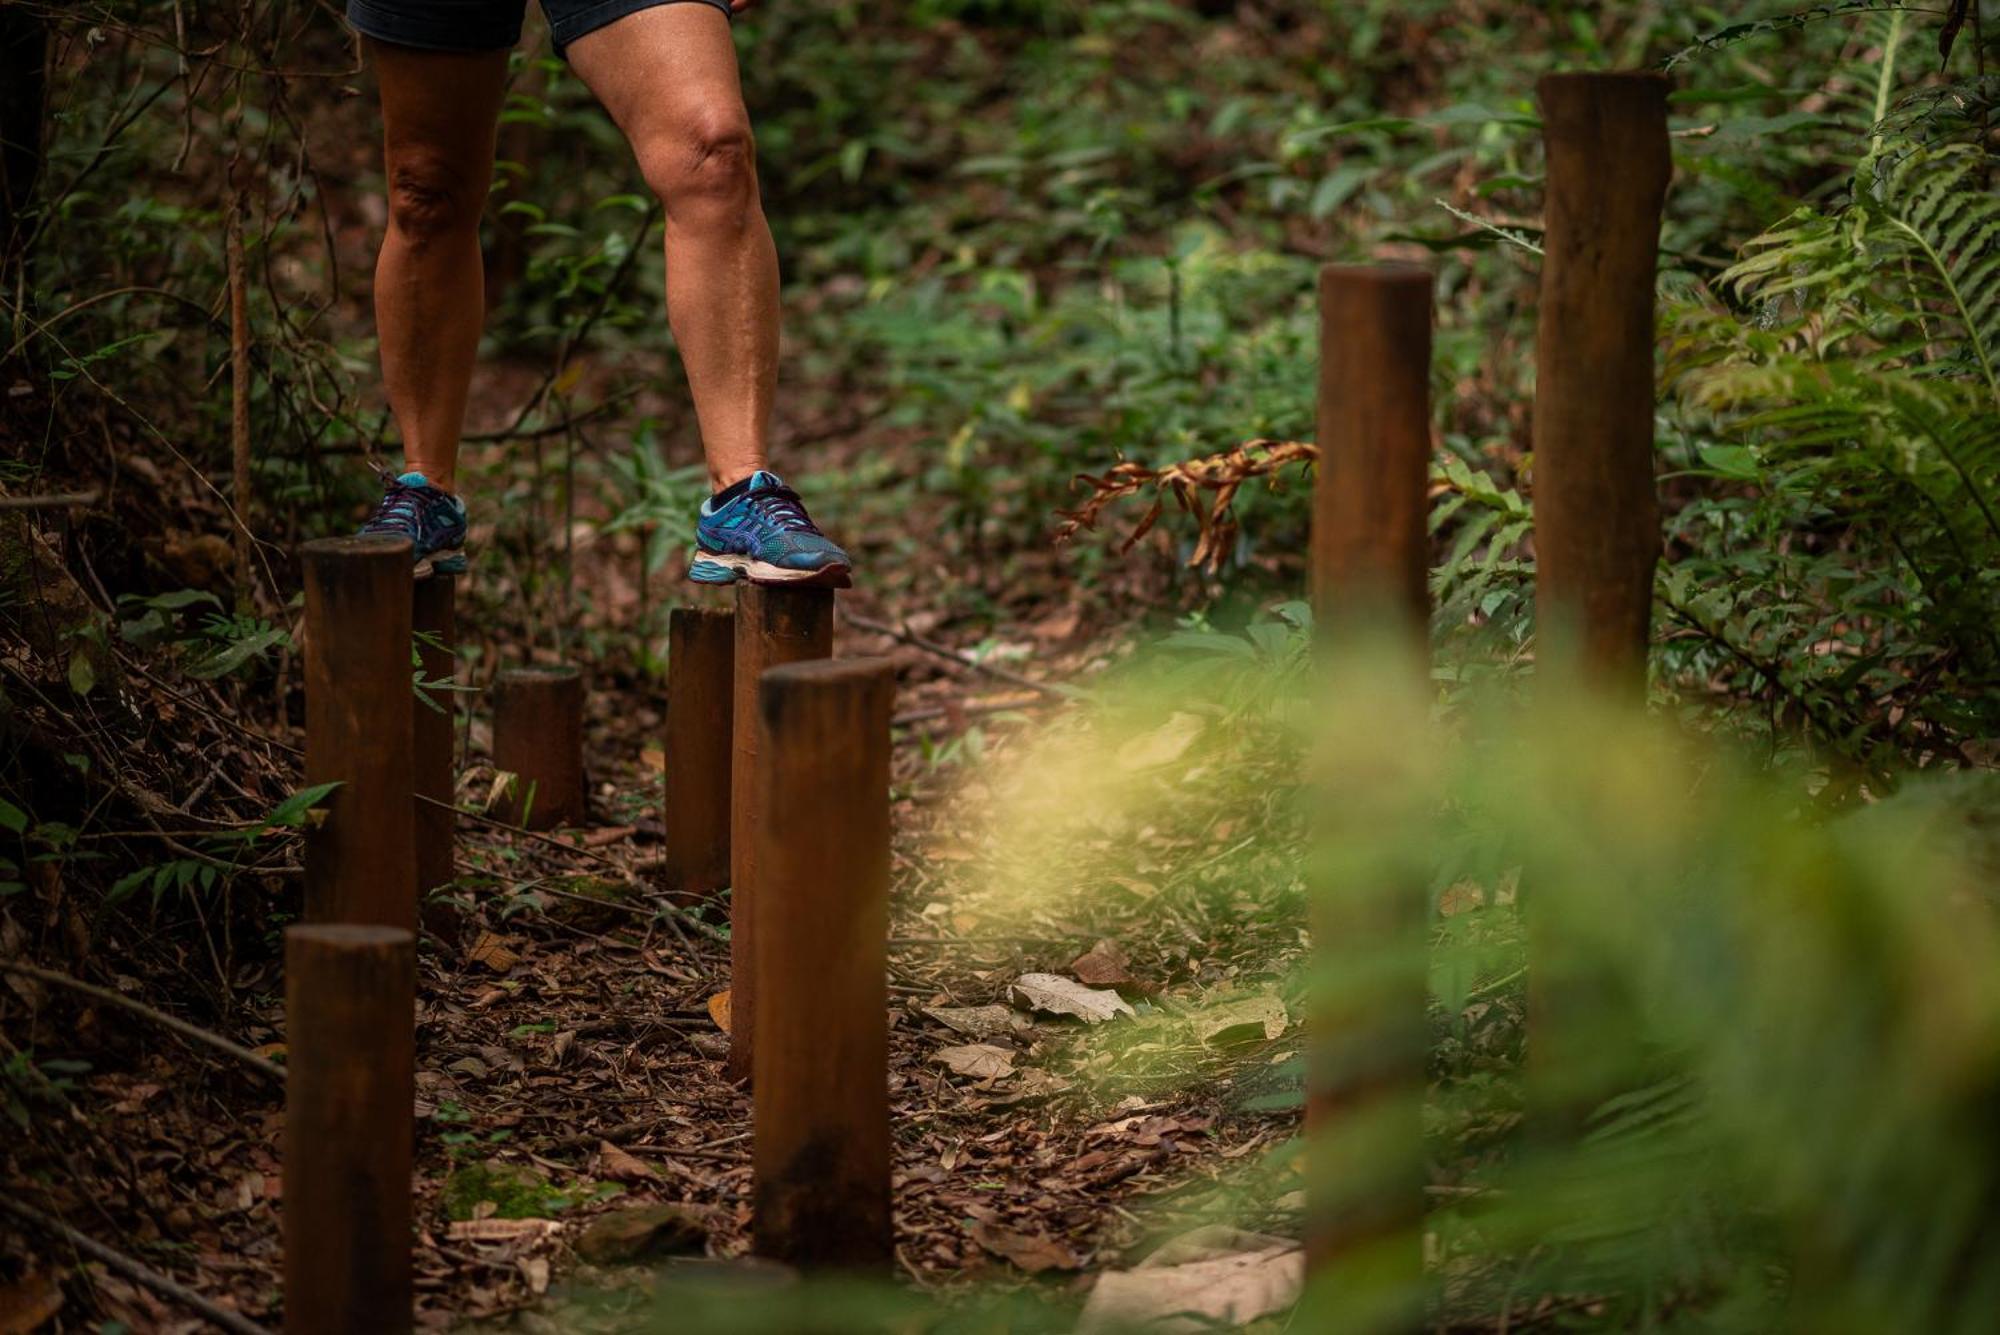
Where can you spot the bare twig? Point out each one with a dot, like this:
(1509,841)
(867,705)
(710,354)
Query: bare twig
(64,500)
(135,1270)
(193,1033)
(239,398)
(963,659)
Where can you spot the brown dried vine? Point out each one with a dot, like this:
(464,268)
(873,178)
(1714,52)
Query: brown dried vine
(1217,477)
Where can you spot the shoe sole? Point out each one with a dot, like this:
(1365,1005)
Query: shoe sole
(439,563)
(835,576)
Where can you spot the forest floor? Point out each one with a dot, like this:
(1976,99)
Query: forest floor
(570,1040)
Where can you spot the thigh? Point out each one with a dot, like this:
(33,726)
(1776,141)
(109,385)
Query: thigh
(663,70)
(441,107)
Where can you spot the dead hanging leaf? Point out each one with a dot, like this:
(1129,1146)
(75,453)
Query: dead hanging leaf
(718,1010)
(981,1061)
(1054,995)
(493,951)
(1103,965)
(1247,1020)
(1163,745)
(615,1163)
(27,1303)
(977,1021)
(1032,1252)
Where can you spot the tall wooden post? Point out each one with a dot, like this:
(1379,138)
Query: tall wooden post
(434,616)
(360,861)
(350,1020)
(774,625)
(1371,586)
(538,738)
(1371,552)
(821,1118)
(701,655)
(1597,522)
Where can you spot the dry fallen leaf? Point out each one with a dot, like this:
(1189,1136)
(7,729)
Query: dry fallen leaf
(1242,1021)
(1053,995)
(26,1304)
(1032,1252)
(1103,965)
(718,1010)
(499,1230)
(977,1021)
(492,950)
(981,1061)
(613,1162)
(1162,746)
(1208,1279)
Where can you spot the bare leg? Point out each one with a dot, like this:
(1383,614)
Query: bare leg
(668,77)
(439,110)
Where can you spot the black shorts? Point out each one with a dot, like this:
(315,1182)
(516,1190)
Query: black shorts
(487,25)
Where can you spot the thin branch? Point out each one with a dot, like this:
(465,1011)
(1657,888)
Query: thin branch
(63,500)
(136,1270)
(193,1033)
(963,659)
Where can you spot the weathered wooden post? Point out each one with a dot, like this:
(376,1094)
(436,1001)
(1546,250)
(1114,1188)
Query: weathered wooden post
(1371,586)
(360,859)
(538,738)
(821,1119)
(350,1020)
(701,655)
(434,618)
(773,626)
(1597,522)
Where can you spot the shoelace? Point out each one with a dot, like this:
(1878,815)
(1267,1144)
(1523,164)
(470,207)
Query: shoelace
(781,505)
(398,511)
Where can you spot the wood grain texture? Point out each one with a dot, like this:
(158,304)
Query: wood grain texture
(360,861)
(538,738)
(774,626)
(821,1119)
(350,1017)
(701,660)
(1371,545)
(1597,522)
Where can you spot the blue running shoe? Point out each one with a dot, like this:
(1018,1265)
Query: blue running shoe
(759,530)
(433,521)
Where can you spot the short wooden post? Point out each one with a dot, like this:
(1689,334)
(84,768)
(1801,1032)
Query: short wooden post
(360,860)
(701,654)
(773,626)
(1597,522)
(1371,552)
(821,1106)
(434,617)
(350,1021)
(538,738)
(1371,585)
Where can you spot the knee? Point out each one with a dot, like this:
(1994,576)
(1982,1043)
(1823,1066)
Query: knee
(432,198)
(705,172)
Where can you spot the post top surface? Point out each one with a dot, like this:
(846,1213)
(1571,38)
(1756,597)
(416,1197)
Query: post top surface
(828,672)
(355,546)
(1387,272)
(349,934)
(690,613)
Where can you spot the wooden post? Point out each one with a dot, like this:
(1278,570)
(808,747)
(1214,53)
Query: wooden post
(1597,522)
(1371,578)
(434,615)
(1371,551)
(538,738)
(360,861)
(701,654)
(773,626)
(821,1108)
(350,1021)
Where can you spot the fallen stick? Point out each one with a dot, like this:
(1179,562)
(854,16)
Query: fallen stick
(136,1270)
(60,501)
(957,656)
(193,1033)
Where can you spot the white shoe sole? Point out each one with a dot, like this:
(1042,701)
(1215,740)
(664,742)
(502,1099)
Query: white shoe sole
(763,572)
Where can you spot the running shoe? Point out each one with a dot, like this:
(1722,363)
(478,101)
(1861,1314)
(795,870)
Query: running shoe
(759,530)
(433,520)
